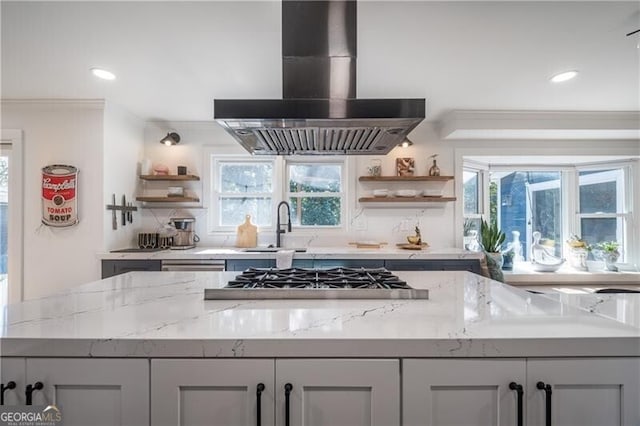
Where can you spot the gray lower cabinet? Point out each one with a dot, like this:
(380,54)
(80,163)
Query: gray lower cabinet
(348,263)
(322,392)
(97,392)
(12,377)
(582,392)
(212,392)
(471,265)
(332,392)
(460,391)
(117,267)
(243,264)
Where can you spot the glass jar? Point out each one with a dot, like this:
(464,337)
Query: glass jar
(375,168)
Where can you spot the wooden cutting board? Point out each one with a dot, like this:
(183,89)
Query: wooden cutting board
(247,234)
(367,244)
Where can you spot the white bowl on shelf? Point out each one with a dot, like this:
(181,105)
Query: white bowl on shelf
(432,193)
(380,193)
(406,193)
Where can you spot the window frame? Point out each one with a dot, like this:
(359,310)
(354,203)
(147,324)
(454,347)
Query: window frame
(216,161)
(483,188)
(624,209)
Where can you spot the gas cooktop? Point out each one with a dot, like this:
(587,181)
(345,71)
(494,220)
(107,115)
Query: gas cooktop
(302,283)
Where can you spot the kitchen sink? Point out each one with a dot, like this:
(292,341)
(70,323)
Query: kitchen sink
(273,249)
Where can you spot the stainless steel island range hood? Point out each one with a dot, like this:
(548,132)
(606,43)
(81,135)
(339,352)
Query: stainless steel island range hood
(319,112)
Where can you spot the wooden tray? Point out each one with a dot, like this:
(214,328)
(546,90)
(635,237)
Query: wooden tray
(407,246)
(367,244)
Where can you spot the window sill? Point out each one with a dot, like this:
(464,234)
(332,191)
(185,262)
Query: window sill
(523,274)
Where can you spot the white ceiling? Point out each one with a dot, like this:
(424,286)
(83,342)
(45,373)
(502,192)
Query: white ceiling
(173,58)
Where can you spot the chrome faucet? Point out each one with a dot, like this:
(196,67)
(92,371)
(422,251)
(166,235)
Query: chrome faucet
(279,225)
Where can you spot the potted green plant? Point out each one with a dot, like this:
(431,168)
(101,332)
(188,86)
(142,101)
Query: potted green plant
(609,251)
(507,260)
(491,238)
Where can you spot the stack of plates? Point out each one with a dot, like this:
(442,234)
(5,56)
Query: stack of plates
(380,192)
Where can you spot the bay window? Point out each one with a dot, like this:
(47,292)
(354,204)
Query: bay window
(592,202)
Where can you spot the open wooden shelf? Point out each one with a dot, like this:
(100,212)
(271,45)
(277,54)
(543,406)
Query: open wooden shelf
(168,199)
(170,177)
(405,178)
(405,199)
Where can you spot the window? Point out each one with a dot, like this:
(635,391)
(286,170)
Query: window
(524,202)
(557,201)
(602,214)
(471,184)
(241,188)
(315,193)
(472,201)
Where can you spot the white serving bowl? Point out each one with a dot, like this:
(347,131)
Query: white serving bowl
(406,193)
(432,192)
(542,267)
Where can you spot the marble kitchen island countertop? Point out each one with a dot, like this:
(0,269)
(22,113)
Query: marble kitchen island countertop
(340,252)
(163,314)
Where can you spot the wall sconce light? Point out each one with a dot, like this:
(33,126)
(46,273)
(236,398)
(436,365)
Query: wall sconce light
(171,139)
(405,143)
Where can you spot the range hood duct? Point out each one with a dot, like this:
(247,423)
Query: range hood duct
(319,112)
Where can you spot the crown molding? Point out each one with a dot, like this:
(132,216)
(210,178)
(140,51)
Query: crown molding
(548,125)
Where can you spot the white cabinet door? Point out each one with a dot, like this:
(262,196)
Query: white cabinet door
(12,370)
(109,392)
(339,392)
(585,392)
(211,392)
(456,392)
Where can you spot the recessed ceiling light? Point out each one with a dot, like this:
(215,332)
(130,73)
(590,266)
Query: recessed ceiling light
(564,76)
(103,74)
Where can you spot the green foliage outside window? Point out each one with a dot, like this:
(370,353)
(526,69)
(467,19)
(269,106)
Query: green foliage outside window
(306,180)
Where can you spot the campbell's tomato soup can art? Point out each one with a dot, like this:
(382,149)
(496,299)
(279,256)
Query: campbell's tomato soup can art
(59,195)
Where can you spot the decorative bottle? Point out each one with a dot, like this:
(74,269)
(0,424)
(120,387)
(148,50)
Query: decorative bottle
(434,170)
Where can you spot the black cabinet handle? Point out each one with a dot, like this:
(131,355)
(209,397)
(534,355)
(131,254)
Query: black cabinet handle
(547,391)
(518,388)
(29,391)
(259,391)
(287,393)
(3,387)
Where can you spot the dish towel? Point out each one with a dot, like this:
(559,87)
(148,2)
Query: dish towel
(284,259)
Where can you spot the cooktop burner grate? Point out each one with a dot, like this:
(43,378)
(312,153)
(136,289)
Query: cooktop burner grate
(300,283)
(343,278)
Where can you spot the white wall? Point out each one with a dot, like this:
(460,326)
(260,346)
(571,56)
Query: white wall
(123,150)
(384,224)
(63,133)
(196,137)
(440,223)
